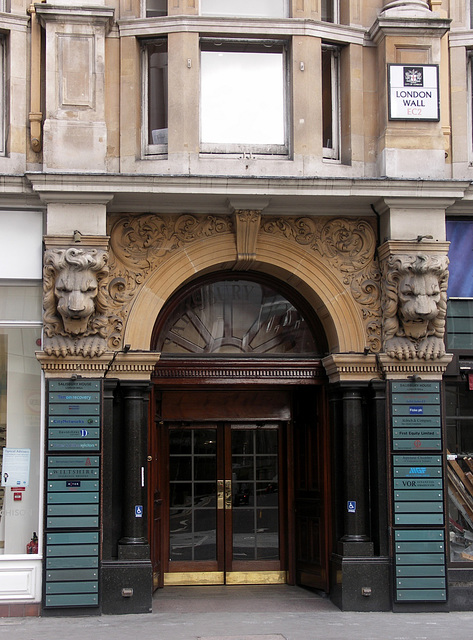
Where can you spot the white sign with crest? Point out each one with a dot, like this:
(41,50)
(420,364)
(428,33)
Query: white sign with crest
(413,92)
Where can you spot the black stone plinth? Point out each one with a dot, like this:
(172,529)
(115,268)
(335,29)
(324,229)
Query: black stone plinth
(354,577)
(128,549)
(355,548)
(127,587)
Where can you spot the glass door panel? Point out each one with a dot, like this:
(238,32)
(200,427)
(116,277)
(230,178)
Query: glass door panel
(255,518)
(224,518)
(192,494)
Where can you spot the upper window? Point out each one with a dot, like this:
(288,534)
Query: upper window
(245,8)
(156,8)
(330,101)
(330,11)
(155,105)
(243,97)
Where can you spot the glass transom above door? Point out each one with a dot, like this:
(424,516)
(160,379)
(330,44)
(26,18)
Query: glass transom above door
(238,317)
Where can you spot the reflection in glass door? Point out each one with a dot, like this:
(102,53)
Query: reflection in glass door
(192,495)
(255,516)
(224,511)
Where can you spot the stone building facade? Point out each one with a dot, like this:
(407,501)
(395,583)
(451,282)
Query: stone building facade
(252,368)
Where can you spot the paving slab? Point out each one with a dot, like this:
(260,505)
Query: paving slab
(243,613)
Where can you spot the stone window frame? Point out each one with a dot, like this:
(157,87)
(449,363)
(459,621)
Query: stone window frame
(332,152)
(149,149)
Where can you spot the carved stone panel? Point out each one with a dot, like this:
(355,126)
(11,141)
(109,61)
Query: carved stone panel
(414,305)
(75,301)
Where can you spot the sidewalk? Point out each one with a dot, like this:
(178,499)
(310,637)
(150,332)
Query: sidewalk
(243,613)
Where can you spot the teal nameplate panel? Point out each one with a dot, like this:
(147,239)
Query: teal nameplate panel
(75,385)
(418,492)
(73,494)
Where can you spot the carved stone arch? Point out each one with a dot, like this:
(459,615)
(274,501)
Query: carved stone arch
(333,303)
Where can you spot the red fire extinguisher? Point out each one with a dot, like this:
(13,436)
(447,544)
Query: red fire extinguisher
(32,546)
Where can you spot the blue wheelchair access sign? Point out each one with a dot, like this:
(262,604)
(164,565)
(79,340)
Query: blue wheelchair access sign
(351,506)
(138,510)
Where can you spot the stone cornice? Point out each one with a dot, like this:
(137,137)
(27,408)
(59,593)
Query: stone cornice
(355,367)
(96,242)
(394,369)
(249,27)
(134,365)
(351,367)
(13,22)
(431,26)
(396,247)
(237,186)
(461,38)
(78,15)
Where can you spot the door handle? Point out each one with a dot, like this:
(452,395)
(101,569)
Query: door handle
(220,494)
(228,494)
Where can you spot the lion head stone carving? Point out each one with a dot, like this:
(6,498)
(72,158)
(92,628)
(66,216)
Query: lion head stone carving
(74,301)
(415,306)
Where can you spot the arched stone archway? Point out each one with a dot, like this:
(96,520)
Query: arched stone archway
(340,282)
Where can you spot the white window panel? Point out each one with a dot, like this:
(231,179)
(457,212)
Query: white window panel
(243,100)
(13,237)
(245,8)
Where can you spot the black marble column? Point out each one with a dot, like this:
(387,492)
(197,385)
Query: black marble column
(355,541)
(127,578)
(378,471)
(134,543)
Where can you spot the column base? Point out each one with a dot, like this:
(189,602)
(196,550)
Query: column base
(133,549)
(127,587)
(361,584)
(355,548)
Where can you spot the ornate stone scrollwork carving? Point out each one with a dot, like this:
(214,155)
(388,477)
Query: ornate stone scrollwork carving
(349,246)
(139,244)
(75,302)
(414,306)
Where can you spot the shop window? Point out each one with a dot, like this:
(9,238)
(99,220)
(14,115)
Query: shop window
(245,8)
(156,8)
(460,285)
(459,419)
(243,97)
(155,103)
(20,415)
(330,101)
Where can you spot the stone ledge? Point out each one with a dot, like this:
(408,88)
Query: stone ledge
(394,369)
(133,365)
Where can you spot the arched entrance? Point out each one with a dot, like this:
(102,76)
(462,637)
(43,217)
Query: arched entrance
(239,489)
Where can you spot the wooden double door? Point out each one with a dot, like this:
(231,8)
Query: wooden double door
(224,503)
(238,499)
